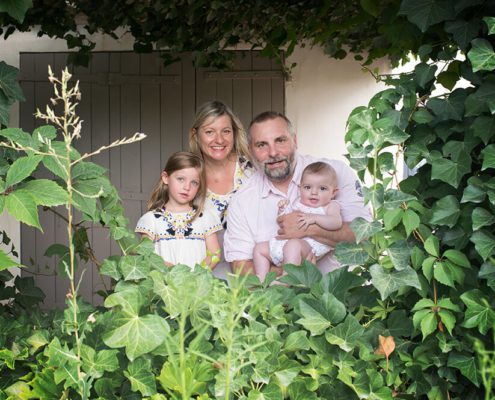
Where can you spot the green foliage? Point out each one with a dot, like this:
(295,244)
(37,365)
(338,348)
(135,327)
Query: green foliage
(420,278)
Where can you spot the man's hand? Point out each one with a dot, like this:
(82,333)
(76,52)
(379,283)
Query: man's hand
(306,220)
(288,226)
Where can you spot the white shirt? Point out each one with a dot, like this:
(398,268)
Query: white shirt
(252,216)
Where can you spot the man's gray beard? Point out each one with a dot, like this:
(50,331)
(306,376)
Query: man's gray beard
(279,174)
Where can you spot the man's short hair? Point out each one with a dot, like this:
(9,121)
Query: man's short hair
(269,115)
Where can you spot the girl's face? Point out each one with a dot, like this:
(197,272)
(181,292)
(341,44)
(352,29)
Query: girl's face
(317,190)
(183,185)
(216,138)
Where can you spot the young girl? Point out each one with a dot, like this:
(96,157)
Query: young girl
(316,192)
(176,222)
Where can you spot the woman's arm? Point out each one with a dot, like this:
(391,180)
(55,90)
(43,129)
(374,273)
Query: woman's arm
(212,251)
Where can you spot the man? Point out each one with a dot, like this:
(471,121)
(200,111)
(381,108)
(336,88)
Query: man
(252,216)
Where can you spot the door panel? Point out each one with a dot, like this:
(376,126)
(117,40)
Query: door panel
(124,93)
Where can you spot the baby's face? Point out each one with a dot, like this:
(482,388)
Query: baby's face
(317,190)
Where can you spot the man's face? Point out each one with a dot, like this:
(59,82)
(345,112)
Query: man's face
(273,148)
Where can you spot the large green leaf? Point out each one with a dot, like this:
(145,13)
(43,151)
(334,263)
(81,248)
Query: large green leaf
(140,375)
(305,275)
(449,171)
(44,386)
(486,94)
(96,363)
(46,192)
(297,341)
(350,254)
(138,334)
(16,8)
(338,282)
(449,108)
(21,169)
(364,229)
(484,242)
(134,267)
(395,198)
(479,312)
(87,170)
(482,217)
(484,128)
(400,254)
(463,31)
(318,315)
(410,220)
(482,55)
(425,13)
(446,211)
(488,157)
(424,74)
(6,261)
(22,206)
(490,22)
(18,136)
(346,334)
(389,282)
(468,366)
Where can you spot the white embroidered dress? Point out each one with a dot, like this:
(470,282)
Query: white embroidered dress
(176,239)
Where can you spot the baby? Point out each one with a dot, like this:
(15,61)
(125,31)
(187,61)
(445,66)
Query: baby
(316,193)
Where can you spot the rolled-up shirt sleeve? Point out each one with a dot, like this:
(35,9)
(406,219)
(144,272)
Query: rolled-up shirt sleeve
(239,239)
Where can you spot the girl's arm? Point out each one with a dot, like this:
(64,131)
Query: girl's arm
(332,220)
(213,251)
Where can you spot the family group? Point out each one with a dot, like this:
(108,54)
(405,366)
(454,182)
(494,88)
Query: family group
(246,201)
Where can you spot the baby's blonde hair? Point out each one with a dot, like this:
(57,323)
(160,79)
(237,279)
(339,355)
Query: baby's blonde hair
(322,168)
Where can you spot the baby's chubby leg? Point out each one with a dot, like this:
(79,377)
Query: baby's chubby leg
(261,260)
(296,250)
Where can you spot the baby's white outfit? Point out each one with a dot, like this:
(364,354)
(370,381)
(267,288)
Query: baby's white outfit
(277,246)
(176,238)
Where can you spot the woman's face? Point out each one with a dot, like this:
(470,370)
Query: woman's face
(216,137)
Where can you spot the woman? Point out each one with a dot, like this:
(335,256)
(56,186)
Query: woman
(217,135)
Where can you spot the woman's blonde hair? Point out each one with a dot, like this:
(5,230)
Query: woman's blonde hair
(177,161)
(217,109)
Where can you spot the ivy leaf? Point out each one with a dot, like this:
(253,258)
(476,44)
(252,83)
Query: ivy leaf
(392,218)
(485,94)
(484,128)
(448,319)
(488,157)
(428,324)
(16,8)
(138,334)
(305,275)
(424,74)
(389,282)
(364,229)
(350,254)
(481,218)
(297,341)
(46,192)
(473,194)
(422,116)
(487,271)
(457,258)
(318,315)
(141,378)
(6,261)
(432,246)
(463,31)
(21,169)
(425,13)
(450,108)
(449,171)
(44,386)
(490,22)
(467,365)
(133,268)
(479,312)
(22,206)
(400,254)
(482,55)
(346,334)
(110,268)
(448,273)
(338,282)
(484,243)
(410,220)
(446,211)
(394,199)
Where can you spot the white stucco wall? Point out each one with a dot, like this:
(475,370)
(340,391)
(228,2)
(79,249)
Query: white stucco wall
(319,97)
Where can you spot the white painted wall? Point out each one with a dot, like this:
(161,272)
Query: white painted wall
(319,97)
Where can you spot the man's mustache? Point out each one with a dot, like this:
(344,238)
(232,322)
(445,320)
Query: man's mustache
(274,160)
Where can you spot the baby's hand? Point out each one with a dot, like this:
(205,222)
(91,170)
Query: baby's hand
(305,220)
